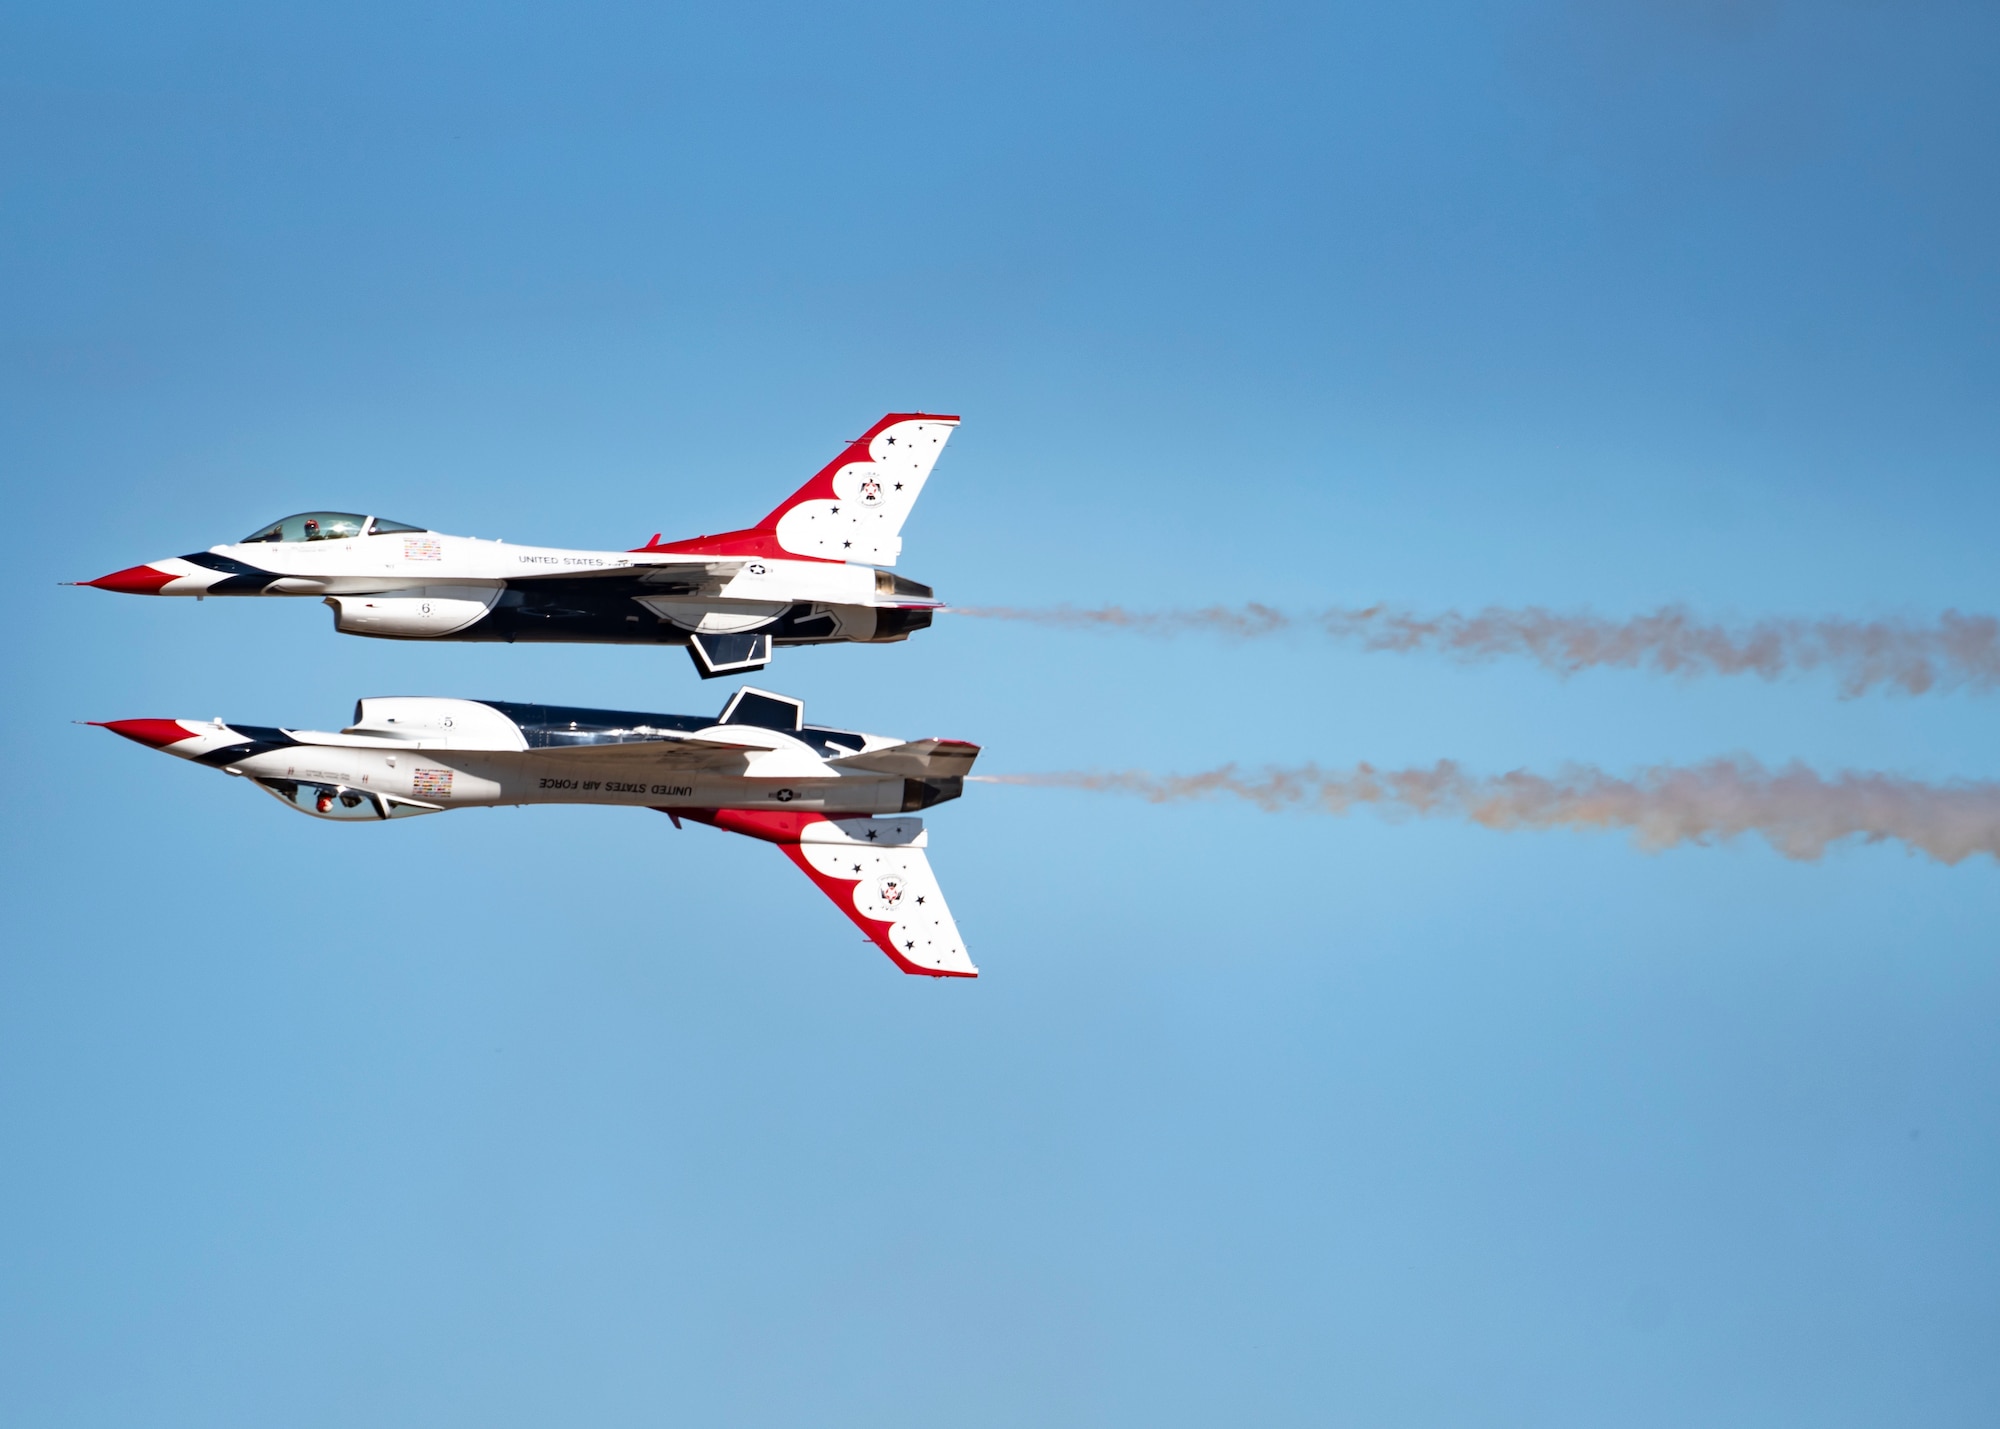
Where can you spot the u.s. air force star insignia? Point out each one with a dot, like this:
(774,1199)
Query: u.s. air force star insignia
(784,796)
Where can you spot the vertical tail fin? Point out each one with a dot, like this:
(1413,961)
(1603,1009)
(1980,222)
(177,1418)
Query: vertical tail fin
(854,507)
(875,871)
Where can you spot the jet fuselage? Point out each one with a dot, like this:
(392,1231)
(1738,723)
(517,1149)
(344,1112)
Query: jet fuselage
(806,574)
(756,769)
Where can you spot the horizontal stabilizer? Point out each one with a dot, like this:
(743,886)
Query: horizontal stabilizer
(875,871)
(919,759)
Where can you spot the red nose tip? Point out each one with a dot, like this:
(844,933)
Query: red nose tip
(153,733)
(135,580)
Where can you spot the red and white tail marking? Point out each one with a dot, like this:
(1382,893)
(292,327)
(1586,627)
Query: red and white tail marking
(875,871)
(854,507)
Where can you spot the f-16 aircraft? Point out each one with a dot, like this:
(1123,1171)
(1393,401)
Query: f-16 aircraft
(827,797)
(804,575)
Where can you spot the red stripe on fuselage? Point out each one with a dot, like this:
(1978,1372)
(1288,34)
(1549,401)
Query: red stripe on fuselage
(776,826)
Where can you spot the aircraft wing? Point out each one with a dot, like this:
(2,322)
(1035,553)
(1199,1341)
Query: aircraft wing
(655,754)
(919,759)
(875,871)
(658,571)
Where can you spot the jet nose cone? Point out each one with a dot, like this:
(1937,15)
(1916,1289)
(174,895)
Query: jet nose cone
(153,733)
(135,580)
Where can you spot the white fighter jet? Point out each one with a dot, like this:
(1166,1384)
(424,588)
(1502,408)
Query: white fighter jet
(804,575)
(827,797)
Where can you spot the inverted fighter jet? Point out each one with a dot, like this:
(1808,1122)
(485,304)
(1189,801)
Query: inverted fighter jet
(826,797)
(804,575)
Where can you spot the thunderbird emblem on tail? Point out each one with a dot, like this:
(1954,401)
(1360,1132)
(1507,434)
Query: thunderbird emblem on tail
(804,575)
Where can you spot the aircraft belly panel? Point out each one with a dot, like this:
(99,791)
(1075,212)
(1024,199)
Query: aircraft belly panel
(713,617)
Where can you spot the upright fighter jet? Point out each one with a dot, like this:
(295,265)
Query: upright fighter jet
(820,794)
(804,575)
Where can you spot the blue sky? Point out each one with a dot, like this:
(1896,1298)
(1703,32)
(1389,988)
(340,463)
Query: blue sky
(562,1116)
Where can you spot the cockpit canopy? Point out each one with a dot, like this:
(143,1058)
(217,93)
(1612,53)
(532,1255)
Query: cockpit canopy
(327,526)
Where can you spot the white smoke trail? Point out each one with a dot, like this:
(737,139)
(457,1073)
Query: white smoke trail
(1246,621)
(1956,651)
(1797,811)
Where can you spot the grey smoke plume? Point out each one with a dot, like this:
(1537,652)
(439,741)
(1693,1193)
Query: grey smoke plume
(1956,651)
(1797,811)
